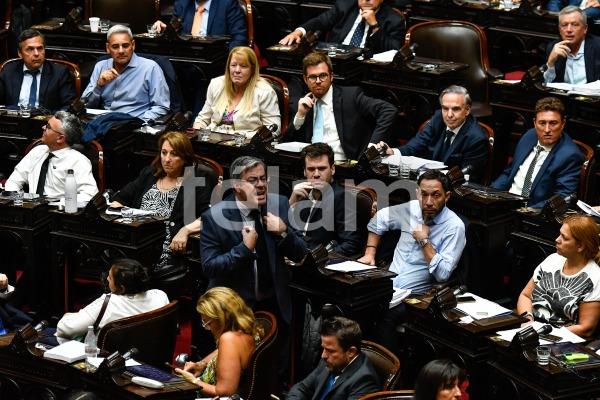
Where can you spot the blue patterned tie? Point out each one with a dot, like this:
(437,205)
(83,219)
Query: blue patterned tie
(358,34)
(328,385)
(529,175)
(33,88)
(318,126)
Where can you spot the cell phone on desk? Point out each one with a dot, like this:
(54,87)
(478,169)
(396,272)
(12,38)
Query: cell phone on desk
(465,299)
(114,209)
(550,338)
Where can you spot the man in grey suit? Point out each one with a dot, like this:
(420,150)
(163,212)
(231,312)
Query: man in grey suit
(344,372)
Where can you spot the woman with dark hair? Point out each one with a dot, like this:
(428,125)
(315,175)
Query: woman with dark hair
(161,188)
(565,287)
(236,332)
(128,283)
(439,380)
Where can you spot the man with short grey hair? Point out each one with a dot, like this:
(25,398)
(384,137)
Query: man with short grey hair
(126,82)
(575,58)
(44,168)
(245,237)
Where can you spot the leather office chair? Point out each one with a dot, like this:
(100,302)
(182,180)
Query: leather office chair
(246,6)
(72,67)
(258,382)
(463,42)
(390,395)
(153,333)
(283,98)
(586,167)
(136,13)
(92,150)
(385,362)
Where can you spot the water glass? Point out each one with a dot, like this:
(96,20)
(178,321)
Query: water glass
(127,215)
(239,139)
(508,4)
(204,135)
(24,110)
(404,170)
(331,51)
(104,25)
(394,168)
(151,30)
(543,354)
(94,24)
(17,198)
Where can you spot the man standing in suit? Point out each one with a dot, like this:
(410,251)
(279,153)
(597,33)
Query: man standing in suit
(451,136)
(337,227)
(34,81)
(369,24)
(575,58)
(126,82)
(546,161)
(245,237)
(343,117)
(344,372)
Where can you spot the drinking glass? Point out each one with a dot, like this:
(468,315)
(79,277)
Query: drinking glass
(543,354)
(94,24)
(127,215)
(104,25)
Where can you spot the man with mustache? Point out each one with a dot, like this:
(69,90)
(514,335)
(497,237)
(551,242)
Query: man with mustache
(576,57)
(546,161)
(126,82)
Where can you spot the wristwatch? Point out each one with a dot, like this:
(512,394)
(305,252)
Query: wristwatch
(423,242)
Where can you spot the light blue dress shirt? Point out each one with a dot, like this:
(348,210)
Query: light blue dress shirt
(205,16)
(140,90)
(574,69)
(446,235)
(26,86)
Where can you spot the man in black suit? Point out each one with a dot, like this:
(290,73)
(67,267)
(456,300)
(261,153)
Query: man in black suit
(245,237)
(575,58)
(340,230)
(371,24)
(344,372)
(451,136)
(346,119)
(52,84)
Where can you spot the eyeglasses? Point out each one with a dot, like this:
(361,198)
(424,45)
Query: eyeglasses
(322,77)
(206,324)
(47,126)
(254,180)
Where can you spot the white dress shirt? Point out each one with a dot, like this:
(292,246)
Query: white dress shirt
(26,86)
(28,171)
(519,180)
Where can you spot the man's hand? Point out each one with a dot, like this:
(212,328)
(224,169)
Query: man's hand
(367,259)
(107,77)
(305,104)
(421,232)
(560,49)
(592,3)
(385,148)
(159,26)
(369,17)
(300,192)
(274,224)
(249,237)
(292,38)
(179,242)
(3,282)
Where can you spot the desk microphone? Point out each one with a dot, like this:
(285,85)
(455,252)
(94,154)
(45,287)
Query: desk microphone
(43,324)
(544,330)
(459,290)
(130,353)
(273,129)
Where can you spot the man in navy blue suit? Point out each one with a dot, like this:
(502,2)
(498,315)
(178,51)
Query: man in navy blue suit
(53,84)
(451,136)
(546,161)
(218,18)
(245,237)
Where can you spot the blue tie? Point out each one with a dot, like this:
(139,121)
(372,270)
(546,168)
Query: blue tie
(358,34)
(328,385)
(317,136)
(33,88)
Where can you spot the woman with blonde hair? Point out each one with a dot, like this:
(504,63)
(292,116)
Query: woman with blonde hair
(240,98)
(236,332)
(565,287)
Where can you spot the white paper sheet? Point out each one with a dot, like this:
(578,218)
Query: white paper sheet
(564,333)
(481,308)
(398,296)
(386,56)
(349,266)
(294,147)
(136,212)
(96,111)
(587,209)
(414,162)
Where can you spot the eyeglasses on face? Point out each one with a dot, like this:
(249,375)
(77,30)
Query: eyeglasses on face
(47,126)
(322,77)
(256,180)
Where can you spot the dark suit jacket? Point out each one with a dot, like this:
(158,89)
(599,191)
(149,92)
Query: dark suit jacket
(57,86)
(338,20)
(226,261)
(359,378)
(559,174)
(470,146)
(131,195)
(359,120)
(591,54)
(225,18)
(350,241)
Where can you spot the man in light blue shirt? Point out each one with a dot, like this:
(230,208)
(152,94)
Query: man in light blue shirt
(126,82)
(430,245)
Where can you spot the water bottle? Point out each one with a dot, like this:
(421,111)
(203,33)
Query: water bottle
(91,349)
(70,193)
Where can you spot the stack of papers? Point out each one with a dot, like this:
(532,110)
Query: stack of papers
(293,147)
(349,266)
(70,351)
(587,209)
(414,162)
(136,212)
(564,333)
(586,89)
(398,296)
(482,308)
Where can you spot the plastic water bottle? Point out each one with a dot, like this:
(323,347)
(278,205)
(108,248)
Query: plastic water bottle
(70,193)
(91,348)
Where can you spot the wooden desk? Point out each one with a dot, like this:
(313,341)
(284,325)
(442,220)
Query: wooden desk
(29,374)
(82,247)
